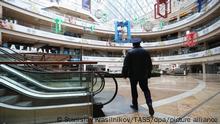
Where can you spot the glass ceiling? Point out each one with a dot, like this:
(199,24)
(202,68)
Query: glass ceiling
(123,9)
(110,10)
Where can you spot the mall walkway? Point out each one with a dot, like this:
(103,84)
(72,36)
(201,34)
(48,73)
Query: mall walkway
(194,97)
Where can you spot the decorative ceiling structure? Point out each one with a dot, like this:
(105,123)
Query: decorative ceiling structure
(123,9)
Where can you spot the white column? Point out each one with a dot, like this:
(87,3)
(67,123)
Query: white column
(203,68)
(1,12)
(61,50)
(84,68)
(179,34)
(106,68)
(178,16)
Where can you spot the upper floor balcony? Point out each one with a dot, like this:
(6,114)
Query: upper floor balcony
(197,57)
(208,31)
(35,10)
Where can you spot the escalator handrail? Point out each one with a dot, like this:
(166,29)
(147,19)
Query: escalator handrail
(33,81)
(102,84)
(11,84)
(116,88)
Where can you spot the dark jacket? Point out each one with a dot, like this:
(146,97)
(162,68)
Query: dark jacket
(137,64)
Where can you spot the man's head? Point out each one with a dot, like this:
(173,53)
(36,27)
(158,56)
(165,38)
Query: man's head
(136,42)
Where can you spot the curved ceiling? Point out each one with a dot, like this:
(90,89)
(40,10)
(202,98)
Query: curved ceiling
(123,9)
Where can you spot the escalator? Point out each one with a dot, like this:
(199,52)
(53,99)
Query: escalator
(13,55)
(10,55)
(34,96)
(18,100)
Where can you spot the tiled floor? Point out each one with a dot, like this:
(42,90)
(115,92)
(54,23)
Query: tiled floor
(182,98)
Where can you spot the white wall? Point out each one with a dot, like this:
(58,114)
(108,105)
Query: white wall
(91,37)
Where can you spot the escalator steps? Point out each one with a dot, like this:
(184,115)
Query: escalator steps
(2,92)
(33,87)
(9,99)
(24,104)
(3,74)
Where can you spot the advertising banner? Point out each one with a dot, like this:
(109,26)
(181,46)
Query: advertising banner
(86,4)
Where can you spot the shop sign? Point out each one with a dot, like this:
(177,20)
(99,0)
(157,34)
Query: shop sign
(30,49)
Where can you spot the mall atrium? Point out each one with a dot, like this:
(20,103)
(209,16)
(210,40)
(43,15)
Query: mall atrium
(61,61)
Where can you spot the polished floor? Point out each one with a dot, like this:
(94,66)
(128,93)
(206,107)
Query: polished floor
(177,99)
(191,99)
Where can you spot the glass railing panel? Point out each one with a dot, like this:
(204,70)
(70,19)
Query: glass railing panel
(62,79)
(51,82)
(90,80)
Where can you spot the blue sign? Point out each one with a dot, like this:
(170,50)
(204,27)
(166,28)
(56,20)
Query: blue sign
(86,4)
(120,31)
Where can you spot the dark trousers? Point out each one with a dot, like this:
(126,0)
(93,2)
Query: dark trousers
(144,87)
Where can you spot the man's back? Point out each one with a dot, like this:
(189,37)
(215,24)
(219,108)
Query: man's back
(139,63)
(137,66)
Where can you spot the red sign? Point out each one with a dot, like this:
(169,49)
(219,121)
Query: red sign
(191,39)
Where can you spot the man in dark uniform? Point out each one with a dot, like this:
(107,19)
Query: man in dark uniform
(137,66)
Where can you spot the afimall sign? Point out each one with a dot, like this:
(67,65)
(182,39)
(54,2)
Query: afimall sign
(21,48)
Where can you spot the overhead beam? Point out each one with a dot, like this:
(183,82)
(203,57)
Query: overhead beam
(116,10)
(142,9)
(125,10)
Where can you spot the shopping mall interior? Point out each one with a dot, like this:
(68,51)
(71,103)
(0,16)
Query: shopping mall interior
(61,61)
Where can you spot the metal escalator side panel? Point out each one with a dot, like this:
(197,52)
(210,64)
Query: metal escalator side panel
(44,114)
(2,105)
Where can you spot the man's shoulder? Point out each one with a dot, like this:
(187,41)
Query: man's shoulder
(137,49)
(130,51)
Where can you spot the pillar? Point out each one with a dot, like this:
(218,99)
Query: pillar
(178,16)
(203,68)
(205,45)
(81,53)
(179,35)
(81,57)
(1,42)
(61,50)
(1,17)
(1,12)
(84,68)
